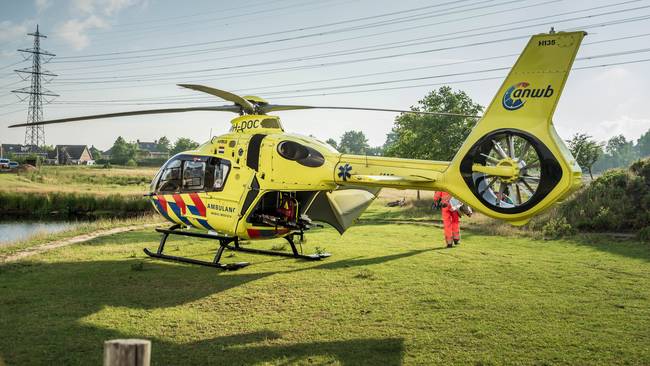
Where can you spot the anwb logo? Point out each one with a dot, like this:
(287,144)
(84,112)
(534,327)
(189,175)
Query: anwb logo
(515,97)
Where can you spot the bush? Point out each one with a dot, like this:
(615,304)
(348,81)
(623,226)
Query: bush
(644,234)
(71,205)
(131,162)
(619,200)
(155,162)
(557,228)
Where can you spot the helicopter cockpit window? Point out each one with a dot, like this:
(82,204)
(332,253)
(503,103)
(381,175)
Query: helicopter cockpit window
(170,179)
(193,175)
(220,174)
(187,173)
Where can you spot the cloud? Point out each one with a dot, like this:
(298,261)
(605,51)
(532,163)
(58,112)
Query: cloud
(605,103)
(42,5)
(10,31)
(7,53)
(102,7)
(74,31)
(84,6)
(91,14)
(627,126)
(114,6)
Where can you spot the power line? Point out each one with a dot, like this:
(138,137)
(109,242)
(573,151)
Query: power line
(261,89)
(163,76)
(501,77)
(450,82)
(10,65)
(14,111)
(204,22)
(428,66)
(154,57)
(585,58)
(257,52)
(119,40)
(165,19)
(185,45)
(275,70)
(464,18)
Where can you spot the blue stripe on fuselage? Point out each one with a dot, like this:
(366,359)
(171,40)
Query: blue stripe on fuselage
(194,210)
(177,212)
(161,210)
(205,224)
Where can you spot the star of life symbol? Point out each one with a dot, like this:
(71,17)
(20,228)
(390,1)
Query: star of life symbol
(344,171)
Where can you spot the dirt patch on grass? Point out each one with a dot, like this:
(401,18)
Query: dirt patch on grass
(69,241)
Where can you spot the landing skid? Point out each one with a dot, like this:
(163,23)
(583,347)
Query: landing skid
(294,251)
(224,243)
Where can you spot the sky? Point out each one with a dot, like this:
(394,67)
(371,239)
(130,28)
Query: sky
(120,55)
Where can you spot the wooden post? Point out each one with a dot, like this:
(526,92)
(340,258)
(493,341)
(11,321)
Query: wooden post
(127,352)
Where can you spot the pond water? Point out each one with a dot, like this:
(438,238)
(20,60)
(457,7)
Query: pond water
(12,231)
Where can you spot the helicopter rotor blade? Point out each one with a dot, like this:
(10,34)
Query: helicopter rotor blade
(225,108)
(280,107)
(225,95)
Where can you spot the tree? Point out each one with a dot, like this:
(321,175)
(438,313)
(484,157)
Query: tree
(375,151)
(184,144)
(433,137)
(332,143)
(163,144)
(585,150)
(95,152)
(643,144)
(48,148)
(123,151)
(621,150)
(619,153)
(391,137)
(353,142)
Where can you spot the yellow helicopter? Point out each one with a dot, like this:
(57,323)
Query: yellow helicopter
(259,182)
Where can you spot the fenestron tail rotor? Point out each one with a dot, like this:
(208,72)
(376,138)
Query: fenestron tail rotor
(505,172)
(242,105)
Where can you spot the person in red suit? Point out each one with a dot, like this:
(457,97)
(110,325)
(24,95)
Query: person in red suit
(450,217)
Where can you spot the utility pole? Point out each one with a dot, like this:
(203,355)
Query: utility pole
(35,134)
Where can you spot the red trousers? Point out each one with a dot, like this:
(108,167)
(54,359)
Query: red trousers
(452,225)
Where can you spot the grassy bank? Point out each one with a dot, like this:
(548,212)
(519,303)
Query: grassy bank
(78,228)
(81,179)
(70,205)
(72,192)
(390,295)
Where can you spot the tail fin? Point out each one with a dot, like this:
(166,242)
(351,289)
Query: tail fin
(513,165)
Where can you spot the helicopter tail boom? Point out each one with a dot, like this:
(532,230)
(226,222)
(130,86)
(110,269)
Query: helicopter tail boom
(513,165)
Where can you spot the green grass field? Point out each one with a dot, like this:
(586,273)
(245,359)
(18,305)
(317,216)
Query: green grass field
(389,295)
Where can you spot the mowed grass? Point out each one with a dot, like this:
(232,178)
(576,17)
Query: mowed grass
(80,179)
(389,295)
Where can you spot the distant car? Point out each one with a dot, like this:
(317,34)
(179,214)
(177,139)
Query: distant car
(13,164)
(4,163)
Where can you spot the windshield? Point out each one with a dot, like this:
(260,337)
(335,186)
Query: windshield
(187,173)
